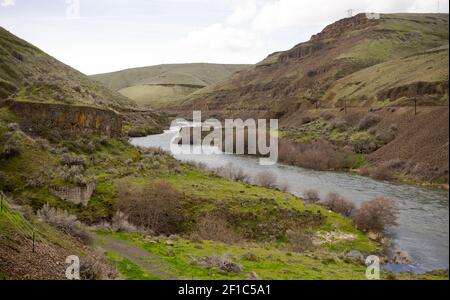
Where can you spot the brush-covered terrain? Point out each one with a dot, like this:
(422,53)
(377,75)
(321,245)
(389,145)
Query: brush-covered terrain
(156,86)
(153,217)
(27,74)
(358,69)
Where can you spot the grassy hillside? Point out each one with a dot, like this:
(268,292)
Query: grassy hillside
(18,225)
(258,232)
(27,73)
(367,86)
(355,70)
(260,216)
(157,85)
(345,54)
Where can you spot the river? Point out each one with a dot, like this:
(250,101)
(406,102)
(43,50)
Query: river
(423,223)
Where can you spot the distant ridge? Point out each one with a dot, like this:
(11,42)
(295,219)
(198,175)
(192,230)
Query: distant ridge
(158,85)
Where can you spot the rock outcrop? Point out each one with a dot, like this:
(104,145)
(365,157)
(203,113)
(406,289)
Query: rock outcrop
(46,118)
(75,195)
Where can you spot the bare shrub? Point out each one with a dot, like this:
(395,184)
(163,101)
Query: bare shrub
(395,164)
(12,147)
(308,119)
(73,174)
(120,223)
(311,196)
(363,143)
(70,159)
(285,188)
(385,170)
(327,116)
(376,215)
(232,172)
(266,179)
(211,228)
(13,127)
(198,165)
(66,222)
(155,206)
(43,144)
(385,136)
(339,124)
(300,239)
(338,204)
(96,267)
(369,121)
(250,256)
(317,155)
(154,151)
(223,263)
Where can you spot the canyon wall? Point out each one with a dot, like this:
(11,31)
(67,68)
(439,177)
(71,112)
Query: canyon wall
(46,118)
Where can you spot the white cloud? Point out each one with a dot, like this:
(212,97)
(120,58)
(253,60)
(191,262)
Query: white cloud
(7,3)
(221,37)
(252,24)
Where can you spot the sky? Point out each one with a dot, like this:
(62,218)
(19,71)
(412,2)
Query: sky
(99,36)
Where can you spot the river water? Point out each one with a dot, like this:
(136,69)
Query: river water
(423,229)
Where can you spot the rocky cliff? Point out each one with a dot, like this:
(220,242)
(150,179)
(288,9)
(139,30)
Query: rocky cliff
(44,119)
(360,59)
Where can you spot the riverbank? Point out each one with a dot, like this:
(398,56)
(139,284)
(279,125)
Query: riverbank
(423,219)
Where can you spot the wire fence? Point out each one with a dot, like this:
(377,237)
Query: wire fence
(22,225)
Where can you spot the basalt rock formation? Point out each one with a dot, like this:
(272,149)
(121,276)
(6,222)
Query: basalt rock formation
(47,118)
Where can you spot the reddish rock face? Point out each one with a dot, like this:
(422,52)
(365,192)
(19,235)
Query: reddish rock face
(42,118)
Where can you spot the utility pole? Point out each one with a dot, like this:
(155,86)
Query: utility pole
(350,13)
(345,105)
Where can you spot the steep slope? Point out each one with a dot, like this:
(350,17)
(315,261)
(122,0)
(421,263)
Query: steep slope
(157,85)
(346,98)
(36,76)
(28,75)
(422,76)
(312,73)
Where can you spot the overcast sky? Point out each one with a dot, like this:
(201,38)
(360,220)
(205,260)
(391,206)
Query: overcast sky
(96,36)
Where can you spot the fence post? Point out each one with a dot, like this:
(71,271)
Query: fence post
(34,236)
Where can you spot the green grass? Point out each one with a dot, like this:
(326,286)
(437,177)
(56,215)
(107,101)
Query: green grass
(367,83)
(15,225)
(128,269)
(186,74)
(157,95)
(157,86)
(272,263)
(7,115)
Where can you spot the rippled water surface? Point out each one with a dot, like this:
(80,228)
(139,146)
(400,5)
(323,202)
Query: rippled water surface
(424,213)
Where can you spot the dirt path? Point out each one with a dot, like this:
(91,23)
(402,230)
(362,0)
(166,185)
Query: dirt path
(145,260)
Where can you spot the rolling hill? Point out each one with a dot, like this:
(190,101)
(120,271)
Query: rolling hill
(156,85)
(29,76)
(348,96)
(362,60)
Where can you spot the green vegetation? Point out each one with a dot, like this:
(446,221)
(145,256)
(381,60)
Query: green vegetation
(157,95)
(187,259)
(48,79)
(366,84)
(155,86)
(128,269)
(184,257)
(14,226)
